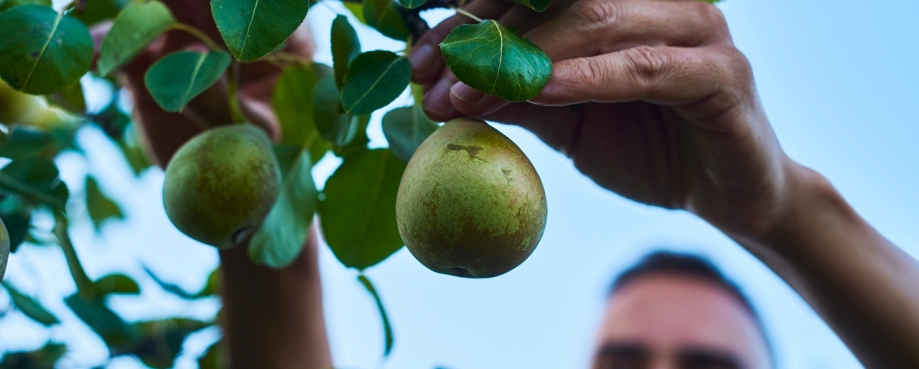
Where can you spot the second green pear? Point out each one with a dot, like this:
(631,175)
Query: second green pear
(221,184)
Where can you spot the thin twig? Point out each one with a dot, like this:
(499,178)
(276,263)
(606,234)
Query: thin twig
(198,34)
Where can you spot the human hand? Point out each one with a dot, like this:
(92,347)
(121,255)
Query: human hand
(649,98)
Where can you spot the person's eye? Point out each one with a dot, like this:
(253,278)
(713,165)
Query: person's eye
(619,363)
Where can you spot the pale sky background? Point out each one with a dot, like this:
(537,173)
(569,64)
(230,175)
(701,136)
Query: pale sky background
(838,80)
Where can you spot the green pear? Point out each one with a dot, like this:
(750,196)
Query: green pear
(4,248)
(18,107)
(221,184)
(470,203)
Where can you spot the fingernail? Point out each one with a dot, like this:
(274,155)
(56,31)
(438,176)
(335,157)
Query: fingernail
(466,94)
(421,59)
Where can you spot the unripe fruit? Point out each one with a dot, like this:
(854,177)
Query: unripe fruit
(470,203)
(18,107)
(221,184)
(4,248)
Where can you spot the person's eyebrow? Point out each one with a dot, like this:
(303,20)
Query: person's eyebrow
(702,357)
(624,350)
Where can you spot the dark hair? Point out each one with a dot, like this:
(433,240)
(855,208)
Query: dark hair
(692,266)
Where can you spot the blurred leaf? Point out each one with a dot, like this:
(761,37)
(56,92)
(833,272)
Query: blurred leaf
(27,142)
(214,357)
(280,239)
(356,9)
(35,179)
(292,102)
(95,11)
(405,129)
(137,26)
(6,4)
(412,4)
(34,64)
(85,287)
(333,126)
(17,216)
(43,358)
(387,328)
(179,77)
(358,213)
(383,16)
(109,326)
(30,307)
(174,289)
(133,153)
(537,5)
(491,58)
(161,340)
(117,284)
(213,284)
(360,140)
(345,47)
(6,134)
(4,253)
(70,98)
(374,80)
(101,208)
(112,120)
(252,31)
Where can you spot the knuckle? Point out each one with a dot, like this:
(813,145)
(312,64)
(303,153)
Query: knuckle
(598,12)
(647,63)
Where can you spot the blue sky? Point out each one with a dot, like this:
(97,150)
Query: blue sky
(838,80)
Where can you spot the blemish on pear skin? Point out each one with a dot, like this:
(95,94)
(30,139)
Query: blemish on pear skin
(471,150)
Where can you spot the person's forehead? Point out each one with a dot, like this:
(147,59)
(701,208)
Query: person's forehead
(669,312)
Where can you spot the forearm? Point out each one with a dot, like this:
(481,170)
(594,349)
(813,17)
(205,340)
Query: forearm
(273,318)
(865,287)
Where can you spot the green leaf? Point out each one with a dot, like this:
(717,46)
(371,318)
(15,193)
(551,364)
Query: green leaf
(174,289)
(214,357)
(136,27)
(356,9)
(109,326)
(537,5)
(27,142)
(412,4)
(254,28)
(16,215)
(96,11)
(6,135)
(359,211)
(117,284)
(162,340)
(491,58)
(6,4)
(31,308)
(35,179)
(70,98)
(49,51)
(179,77)
(383,16)
(213,284)
(292,102)
(112,120)
(279,240)
(374,80)
(345,47)
(101,208)
(360,140)
(43,358)
(387,327)
(405,129)
(334,127)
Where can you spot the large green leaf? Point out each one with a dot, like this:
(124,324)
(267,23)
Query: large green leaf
(117,284)
(254,28)
(412,4)
(333,126)
(491,58)
(537,5)
(279,240)
(374,79)
(100,207)
(17,217)
(383,16)
(136,27)
(405,129)
(6,4)
(31,308)
(345,47)
(360,140)
(96,11)
(35,179)
(27,142)
(292,102)
(109,326)
(387,327)
(42,51)
(43,358)
(70,98)
(179,77)
(359,211)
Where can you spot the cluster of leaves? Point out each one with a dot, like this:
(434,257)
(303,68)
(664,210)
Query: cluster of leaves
(320,109)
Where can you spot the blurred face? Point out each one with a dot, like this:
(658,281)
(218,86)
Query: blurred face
(676,322)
